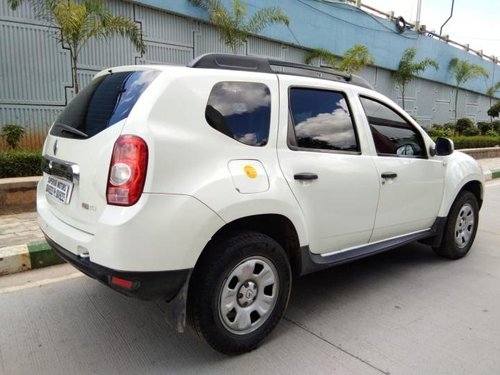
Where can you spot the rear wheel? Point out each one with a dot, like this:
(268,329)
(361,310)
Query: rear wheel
(461,227)
(240,291)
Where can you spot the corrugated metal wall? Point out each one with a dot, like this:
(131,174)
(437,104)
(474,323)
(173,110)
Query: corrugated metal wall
(35,72)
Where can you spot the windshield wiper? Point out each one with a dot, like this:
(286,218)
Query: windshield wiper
(71,130)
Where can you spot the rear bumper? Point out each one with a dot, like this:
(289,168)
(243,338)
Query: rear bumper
(144,285)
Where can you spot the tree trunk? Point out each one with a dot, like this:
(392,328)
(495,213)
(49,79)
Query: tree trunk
(74,60)
(456,104)
(403,95)
(491,100)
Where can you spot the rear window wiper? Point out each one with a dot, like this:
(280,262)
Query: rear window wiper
(71,130)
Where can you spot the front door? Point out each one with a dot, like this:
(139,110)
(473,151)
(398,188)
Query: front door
(412,182)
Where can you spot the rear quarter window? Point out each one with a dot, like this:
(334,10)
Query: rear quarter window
(104,102)
(240,110)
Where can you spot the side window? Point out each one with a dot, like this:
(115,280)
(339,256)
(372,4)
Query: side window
(321,120)
(392,134)
(240,110)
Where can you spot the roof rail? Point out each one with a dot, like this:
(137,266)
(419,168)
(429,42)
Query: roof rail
(264,65)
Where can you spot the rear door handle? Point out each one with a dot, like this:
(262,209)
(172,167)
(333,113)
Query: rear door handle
(389,175)
(305,176)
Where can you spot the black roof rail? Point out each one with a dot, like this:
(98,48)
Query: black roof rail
(264,65)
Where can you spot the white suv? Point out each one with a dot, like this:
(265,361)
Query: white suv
(210,185)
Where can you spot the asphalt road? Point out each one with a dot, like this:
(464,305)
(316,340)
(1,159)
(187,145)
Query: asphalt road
(402,312)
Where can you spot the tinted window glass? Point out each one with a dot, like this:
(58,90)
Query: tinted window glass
(240,110)
(104,102)
(392,134)
(322,120)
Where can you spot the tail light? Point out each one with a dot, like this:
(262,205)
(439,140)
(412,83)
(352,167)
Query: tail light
(127,171)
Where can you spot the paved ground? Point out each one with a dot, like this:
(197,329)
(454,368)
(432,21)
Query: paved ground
(402,312)
(18,229)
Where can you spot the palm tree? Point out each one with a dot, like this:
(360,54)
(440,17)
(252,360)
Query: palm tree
(231,23)
(407,69)
(79,22)
(354,59)
(491,93)
(323,54)
(463,71)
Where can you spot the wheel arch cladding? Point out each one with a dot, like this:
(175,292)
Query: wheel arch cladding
(276,226)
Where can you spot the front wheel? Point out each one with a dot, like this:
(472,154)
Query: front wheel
(461,227)
(239,292)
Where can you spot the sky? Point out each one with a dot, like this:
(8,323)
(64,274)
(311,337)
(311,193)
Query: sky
(475,22)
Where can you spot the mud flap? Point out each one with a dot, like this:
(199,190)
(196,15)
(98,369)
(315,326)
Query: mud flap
(176,308)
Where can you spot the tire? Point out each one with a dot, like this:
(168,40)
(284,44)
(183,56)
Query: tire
(251,273)
(461,227)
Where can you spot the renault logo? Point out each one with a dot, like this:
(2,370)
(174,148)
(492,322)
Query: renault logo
(54,148)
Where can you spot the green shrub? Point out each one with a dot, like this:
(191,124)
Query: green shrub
(496,126)
(471,132)
(12,134)
(484,127)
(494,110)
(462,124)
(449,126)
(20,164)
(478,141)
(491,133)
(439,131)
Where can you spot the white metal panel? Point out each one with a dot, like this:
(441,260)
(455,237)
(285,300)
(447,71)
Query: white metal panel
(34,69)
(162,27)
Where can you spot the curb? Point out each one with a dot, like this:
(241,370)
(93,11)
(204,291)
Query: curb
(491,174)
(21,258)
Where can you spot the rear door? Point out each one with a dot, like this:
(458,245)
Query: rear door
(321,157)
(78,149)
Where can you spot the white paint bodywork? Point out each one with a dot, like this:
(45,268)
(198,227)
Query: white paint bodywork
(196,182)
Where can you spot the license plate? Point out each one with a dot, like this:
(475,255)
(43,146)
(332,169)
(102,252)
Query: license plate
(59,189)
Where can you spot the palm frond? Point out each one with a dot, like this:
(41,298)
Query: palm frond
(493,89)
(207,5)
(265,17)
(14,4)
(355,58)
(321,53)
(464,71)
(407,68)
(124,27)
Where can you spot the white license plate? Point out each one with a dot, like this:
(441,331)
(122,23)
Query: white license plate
(59,189)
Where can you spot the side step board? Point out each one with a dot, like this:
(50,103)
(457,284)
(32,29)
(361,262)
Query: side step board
(314,262)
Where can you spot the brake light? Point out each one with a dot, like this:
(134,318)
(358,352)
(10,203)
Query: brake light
(127,172)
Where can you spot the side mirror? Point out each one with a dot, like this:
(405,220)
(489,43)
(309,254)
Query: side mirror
(444,146)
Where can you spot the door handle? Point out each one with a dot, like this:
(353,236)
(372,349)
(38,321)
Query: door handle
(305,176)
(389,175)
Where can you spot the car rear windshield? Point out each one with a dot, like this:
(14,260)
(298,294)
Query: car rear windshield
(104,102)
